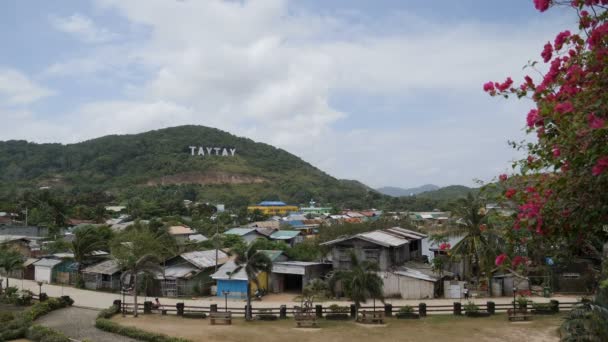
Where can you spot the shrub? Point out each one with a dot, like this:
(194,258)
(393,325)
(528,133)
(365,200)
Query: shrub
(112,327)
(522,302)
(6,317)
(471,307)
(109,312)
(43,334)
(335,308)
(542,306)
(408,309)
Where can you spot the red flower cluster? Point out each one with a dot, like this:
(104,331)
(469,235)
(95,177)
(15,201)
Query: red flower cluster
(533,118)
(518,260)
(561,39)
(600,166)
(595,122)
(503,177)
(445,246)
(542,5)
(510,193)
(547,52)
(564,107)
(500,259)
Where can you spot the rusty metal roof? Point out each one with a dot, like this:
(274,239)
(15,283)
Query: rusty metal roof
(205,259)
(391,237)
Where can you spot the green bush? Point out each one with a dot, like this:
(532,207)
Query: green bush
(115,328)
(18,326)
(39,333)
(335,308)
(6,317)
(471,307)
(542,306)
(406,309)
(109,312)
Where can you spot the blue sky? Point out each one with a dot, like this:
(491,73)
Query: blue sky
(385,92)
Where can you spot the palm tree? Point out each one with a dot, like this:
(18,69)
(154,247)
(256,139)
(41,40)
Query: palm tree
(147,264)
(479,242)
(138,252)
(253,261)
(10,260)
(360,283)
(87,240)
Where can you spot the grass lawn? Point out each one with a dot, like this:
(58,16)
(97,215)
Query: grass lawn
(432,328)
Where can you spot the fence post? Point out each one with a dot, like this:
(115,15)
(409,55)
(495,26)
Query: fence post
(249,311)
(180,309)
(457,308)
(43,297)
(353,311)
(555,305)
(117,304)
(422,309)
(491,308)
(283,312)
(319,310)
(147,307)
(388,310)
(213,308)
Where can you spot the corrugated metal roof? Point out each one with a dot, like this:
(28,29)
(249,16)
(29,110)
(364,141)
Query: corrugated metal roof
(180,271)
(181,230)
(239,231)
(47,262)
(284,234)
(197,237)
(29,261)
(229,267)
(106,267)
(391,237)
(205,259)
(296,223)
(272,203)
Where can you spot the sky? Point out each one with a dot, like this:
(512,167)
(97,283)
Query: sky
(387,92)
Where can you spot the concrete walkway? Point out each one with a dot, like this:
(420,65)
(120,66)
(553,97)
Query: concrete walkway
(79,324)
(102,300)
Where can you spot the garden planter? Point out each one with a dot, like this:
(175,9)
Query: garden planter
(410,315)
(477,314)
(337,316)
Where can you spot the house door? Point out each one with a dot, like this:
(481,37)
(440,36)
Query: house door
(454,291)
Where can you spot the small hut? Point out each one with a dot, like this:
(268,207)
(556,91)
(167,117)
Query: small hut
(104,275)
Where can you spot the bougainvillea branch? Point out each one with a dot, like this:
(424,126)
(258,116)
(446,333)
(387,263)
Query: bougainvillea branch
(561,187)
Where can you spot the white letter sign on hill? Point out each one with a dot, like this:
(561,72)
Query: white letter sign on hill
(212,151)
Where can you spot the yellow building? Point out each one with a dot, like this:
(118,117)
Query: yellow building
(273,208)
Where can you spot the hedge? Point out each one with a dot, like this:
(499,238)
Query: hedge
(138,334)
(21,322)
(39,333)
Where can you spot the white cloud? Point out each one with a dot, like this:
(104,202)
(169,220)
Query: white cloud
(17,89)
(267,71)
(83,28)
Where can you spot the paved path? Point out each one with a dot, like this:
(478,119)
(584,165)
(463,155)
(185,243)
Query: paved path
(79,324)
(102,300)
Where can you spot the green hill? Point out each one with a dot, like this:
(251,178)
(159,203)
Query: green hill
(448,193)
(161,163)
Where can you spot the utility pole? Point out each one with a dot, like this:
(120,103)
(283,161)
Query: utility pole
(26,216)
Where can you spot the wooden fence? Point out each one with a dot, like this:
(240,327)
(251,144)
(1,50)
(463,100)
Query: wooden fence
(284,311)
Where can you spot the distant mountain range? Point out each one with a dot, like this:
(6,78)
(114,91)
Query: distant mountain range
(399,192)
(430,191)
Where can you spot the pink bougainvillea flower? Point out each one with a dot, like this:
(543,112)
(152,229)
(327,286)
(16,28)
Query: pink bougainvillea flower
(503,177)
(518,260)
(483,227)
(561,39)
(532,118)
(542,5)
(500,259)
(547,52)
(505,85)
(510,193)
(445,246)
(595,122)
(489,87)
(564,107)
(556,152)
(600,166)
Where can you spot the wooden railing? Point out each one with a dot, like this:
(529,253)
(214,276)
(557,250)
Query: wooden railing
(320,310)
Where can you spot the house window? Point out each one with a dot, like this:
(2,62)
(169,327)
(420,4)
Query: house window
(372,255)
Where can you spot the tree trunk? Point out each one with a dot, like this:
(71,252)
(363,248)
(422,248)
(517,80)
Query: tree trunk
(248,311)
(7,280)
(135,295)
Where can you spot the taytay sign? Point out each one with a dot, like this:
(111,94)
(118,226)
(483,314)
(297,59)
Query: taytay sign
(212,151)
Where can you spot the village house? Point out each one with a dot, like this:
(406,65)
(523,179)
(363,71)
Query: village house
(247,234)
(293,276)
(181,234)
(103,275)
(395,250)
(189,274)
